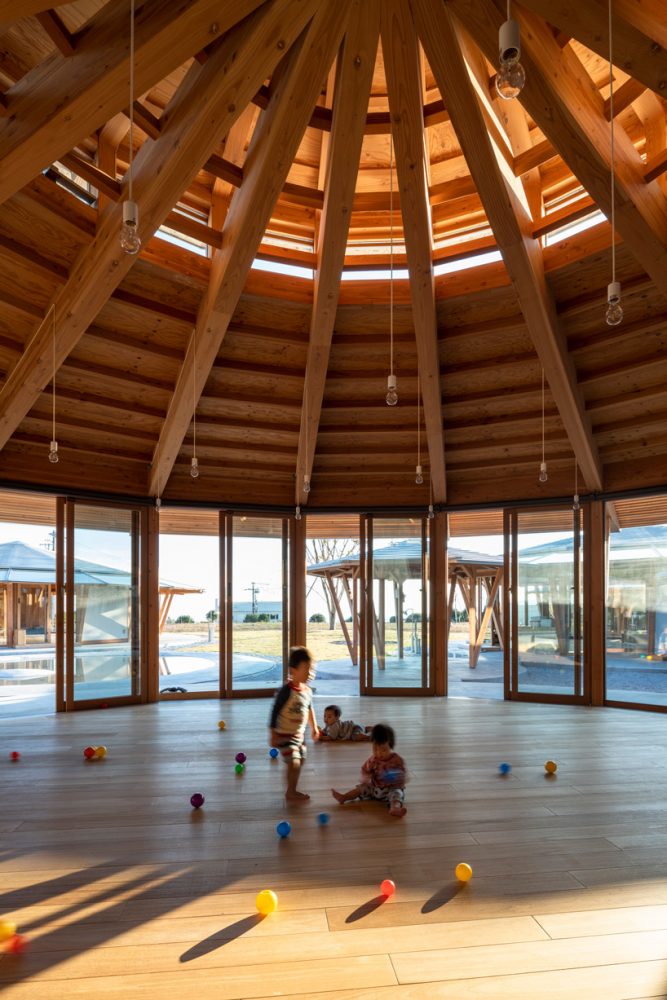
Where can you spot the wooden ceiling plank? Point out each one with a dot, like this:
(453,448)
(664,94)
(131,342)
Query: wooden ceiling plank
(57,32)
(402,69)
(274,144)
(223,85)
(562,100)
(641,55)
(512,227)
(352,89)
(62,100)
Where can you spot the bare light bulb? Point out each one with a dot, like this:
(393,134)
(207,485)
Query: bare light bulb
(53,453)
(614,314)
(431,512)
(419,478)
(306,484)
(511,76)
(129,232)
(194,467)
(297,513)
(575,502)
(392,394)
(543,472)
(158,503)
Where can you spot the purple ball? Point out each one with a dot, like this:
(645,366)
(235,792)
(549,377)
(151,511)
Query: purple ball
(197,800)
(240,758)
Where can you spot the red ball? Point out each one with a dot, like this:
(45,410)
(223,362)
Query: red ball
(17,944)
(15,755)
(89,753)
(388,888)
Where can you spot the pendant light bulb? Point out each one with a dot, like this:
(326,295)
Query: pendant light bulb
(158,503)
(297,513)
(53,453)
(431,512)
(129,235)
(306,484)
(575,502)
(194,467)
(392,394)
(614,314)
(511,76)
(543,472)
(419,478)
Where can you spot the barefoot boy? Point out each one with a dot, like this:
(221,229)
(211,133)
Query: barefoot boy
(292,709)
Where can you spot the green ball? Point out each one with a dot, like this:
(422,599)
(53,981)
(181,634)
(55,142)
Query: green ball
(239,768)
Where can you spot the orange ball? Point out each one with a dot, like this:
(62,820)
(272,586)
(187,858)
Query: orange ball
(100,752)
(551,767)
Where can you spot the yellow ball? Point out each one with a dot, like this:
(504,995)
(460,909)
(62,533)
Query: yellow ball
(463,872)
(221,724)
(7,929)
(551,767)
(266,902)
(100,751)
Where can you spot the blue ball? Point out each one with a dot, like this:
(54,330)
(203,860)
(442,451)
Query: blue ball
(273,752)
(504,768)
(284,828)
(323,819)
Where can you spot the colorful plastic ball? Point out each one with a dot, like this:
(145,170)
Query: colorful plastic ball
(388,888)
(7,929)
(104,704)
(197,800)
(551,767)
(266,902)
(17,944)
(100,752)
(221,724)
(463,872)
(239,768)
(323,819)
(273,753)
(15,755)
(240,758)
(504,768)
(89,753)
(284,828)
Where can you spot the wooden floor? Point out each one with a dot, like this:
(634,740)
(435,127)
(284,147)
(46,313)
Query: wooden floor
(124,891)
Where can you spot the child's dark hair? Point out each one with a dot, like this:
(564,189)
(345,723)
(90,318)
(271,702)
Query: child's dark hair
(335,709)
(382,733)
(298,655)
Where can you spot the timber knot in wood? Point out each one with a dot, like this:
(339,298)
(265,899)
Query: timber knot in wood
(357,61)
(215,28)
(280,44)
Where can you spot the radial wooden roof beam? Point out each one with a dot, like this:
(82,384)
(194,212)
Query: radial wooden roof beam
(64,99)
(403,72)
(511,226)
(224,86)
(352,89)
(640,54)
(563,102)
(274,144)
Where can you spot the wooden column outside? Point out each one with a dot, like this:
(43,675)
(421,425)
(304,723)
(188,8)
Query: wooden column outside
(595,546)
(440,606)
(154,621)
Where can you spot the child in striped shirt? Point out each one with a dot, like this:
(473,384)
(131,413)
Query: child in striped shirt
(335,728)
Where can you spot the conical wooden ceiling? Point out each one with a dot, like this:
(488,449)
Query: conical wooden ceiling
(268,211)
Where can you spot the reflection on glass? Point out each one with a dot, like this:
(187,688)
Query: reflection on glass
(258,608)
(106,603)
(397,614)
(547,588)
(636,615)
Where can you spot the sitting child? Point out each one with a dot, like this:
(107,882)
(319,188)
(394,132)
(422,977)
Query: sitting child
(382,775)
(335,728)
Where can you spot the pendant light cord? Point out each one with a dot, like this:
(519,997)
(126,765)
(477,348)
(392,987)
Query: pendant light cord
(613,158)
(391,253)
(53,380)
(131,99)
(419,428)
(543,415)
(194,392)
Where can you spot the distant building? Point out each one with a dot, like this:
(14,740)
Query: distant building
(274,609)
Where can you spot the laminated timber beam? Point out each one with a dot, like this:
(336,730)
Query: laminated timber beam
(223,86)
(274,144)
(403,71)
(563,102)
(352,89)
(65,98)
(639,50)
(511,225)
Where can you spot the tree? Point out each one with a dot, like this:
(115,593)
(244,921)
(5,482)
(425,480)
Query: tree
(263,617)
(185,620)
(250,618)
(321,550)
(317,619)
(212,616)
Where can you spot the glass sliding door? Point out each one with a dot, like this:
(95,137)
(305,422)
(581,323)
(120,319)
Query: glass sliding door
(258,621)
(546,564)
(103,604)
(396,560)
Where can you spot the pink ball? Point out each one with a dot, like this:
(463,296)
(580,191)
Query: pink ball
(240,758)
(388,888)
